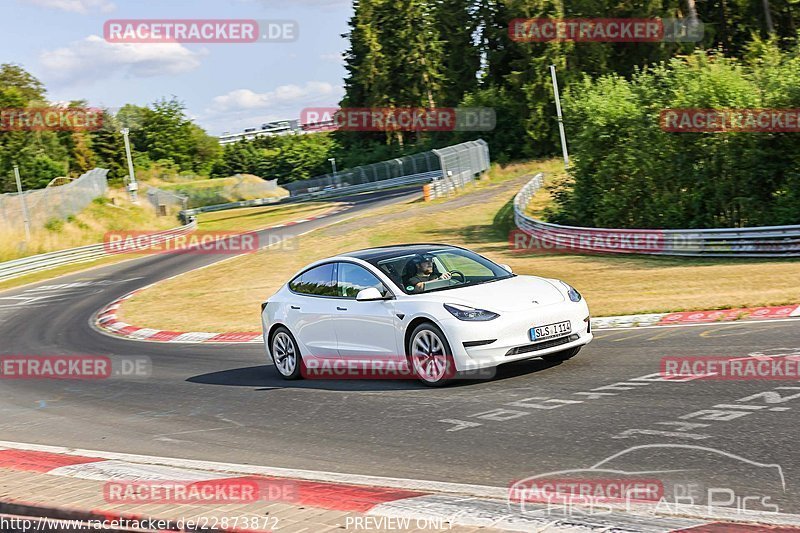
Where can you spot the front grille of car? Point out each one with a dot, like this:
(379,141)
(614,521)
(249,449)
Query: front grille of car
(536,346)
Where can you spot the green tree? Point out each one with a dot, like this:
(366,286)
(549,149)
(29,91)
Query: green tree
(395,60)
(628,172)
(108,146)
(166,133)
(40,155)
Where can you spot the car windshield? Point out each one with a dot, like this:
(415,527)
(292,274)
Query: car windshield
(439,269)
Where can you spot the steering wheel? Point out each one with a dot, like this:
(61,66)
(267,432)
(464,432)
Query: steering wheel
(459,273)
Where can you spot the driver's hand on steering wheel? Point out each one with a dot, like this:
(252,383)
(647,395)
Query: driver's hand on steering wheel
(446,275)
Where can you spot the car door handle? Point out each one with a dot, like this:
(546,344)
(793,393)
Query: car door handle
(295,307)
(342,308)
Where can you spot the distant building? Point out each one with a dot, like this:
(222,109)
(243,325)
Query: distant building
(280,127)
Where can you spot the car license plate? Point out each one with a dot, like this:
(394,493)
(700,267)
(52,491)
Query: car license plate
(550,331)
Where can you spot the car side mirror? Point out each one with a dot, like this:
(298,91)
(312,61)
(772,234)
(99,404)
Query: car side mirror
(506,267)
(369,294)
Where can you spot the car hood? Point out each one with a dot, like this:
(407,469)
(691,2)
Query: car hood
(517,293)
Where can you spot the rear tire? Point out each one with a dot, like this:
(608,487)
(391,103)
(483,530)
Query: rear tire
(285,353)
(563,355)
(430,356)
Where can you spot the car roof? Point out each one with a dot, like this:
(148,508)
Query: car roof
(384,252)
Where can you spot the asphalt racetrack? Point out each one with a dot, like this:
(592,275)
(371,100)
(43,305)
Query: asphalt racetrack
(225,403)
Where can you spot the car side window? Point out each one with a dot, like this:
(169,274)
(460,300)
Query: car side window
(317,281)
(354,278)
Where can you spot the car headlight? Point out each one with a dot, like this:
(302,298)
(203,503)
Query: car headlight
(574,295)
(463,312)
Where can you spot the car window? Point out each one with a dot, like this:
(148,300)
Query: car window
(463,264)
(317,281)
(452,268)
(354,278)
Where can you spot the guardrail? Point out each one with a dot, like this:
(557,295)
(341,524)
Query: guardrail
(36,263)
(448,185)
(423,177)
(458,163)
(534,234)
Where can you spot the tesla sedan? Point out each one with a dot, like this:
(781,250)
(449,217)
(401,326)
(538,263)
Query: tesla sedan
(442,309)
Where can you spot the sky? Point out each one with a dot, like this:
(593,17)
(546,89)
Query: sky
(225,86)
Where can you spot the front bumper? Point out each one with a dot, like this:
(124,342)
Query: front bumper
(510,336)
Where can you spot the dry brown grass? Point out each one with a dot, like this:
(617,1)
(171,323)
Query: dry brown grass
(111,213)
(91,224)
(251,218)
(611,285)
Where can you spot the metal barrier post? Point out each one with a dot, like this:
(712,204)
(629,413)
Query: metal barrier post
(24,206)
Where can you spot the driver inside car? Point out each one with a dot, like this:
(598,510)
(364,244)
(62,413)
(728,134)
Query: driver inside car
(425,273)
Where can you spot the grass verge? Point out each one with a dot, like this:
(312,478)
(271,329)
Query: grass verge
(223,190)
(252,218)
(478,219)
(112,212)
(246,219)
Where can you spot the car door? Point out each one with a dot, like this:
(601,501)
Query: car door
(366,329)
(312,311)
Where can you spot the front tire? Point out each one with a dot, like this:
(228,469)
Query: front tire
(563,355)
(285,353)
(430,356)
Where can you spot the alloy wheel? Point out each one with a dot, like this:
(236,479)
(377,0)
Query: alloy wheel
(284,353)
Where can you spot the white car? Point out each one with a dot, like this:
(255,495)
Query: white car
(443,309)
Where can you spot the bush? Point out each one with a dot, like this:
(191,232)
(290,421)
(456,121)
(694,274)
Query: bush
(627,172)
(54,225)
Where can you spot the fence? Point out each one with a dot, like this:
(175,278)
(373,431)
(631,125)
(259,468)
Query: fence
(212,192)
(461,164)
(35,263)
(325,193)
(460,160)
(53,202)
(766,241)
(466,161)
(244,188)
(164,201)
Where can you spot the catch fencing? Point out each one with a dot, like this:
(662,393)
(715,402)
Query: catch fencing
(455,164)
(458,162)
(211,192)
(244,188)
(536,235)
(52,202)
(165,201)
(461,163)
(35,263)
